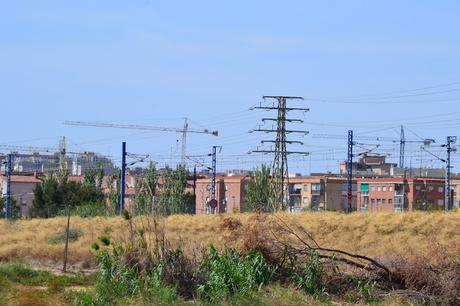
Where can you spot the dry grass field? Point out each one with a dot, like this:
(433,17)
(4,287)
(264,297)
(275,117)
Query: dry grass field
(373,234)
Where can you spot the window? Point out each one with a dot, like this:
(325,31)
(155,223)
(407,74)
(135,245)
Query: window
(379,201)
(418,188)
(226,187)
(208,187)
(378,188)
(384,201)
(430,188)
(384,188)
(390,188)
(305,200)
(440,189)
(372,201)
(372,188)
(305,187)
(315,187)
(390,201)
(246,187)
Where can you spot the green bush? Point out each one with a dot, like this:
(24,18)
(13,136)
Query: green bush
(116,280)
(95,209)
(229,273)
(310,278)
(74,234)
(366,289)
(22,274)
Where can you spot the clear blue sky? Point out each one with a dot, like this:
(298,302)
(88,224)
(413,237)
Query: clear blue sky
(357,63)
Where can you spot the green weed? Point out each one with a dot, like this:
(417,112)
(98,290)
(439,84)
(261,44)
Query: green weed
(229,273)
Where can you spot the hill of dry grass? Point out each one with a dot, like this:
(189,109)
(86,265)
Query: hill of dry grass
(374,234)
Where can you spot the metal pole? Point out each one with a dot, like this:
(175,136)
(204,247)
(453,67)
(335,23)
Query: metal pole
(214,170)
(450,140)
(194,181)
(66,248)
(350,171)
(402,144)
(123,177)
(194,188)
(8,188)
(446,202)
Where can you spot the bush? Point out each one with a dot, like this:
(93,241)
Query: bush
(310,278)
(22,274)
(95,209)
(74,234)
(116,280)
(229,273)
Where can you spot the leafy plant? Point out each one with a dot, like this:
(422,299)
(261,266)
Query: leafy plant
(15,210)
(53,194)
(259,195)
(74,234)
(229,273)
(366,288)
(310,278)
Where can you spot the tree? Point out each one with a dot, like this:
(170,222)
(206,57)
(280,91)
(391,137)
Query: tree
(173,198)
(52,195)
(47,201)
(146,187)
(113,194)
(259,195)
(94,176)
(15,211)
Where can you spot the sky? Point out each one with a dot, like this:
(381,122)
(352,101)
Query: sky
(369,66)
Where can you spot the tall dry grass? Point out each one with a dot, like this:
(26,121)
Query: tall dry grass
(373,234)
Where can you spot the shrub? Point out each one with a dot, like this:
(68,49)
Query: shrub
(92,210)
(310,278)
(20,273)
(116,279)
(366,289)
(74,234)
(229,273)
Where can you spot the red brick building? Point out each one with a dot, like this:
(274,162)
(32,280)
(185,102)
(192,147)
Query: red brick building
(400,194)
(230,193)
(320,192)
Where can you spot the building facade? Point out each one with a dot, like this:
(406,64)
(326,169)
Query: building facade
(230,194)
(22,191)
(320,192)
(400,194)
(305,193)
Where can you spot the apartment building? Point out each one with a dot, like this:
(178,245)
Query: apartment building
(230,193)
(400,194)
(320,192)
(22,191)
(369,165)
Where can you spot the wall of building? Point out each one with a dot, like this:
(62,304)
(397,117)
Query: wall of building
(387,194)
(230,194)
(22,188)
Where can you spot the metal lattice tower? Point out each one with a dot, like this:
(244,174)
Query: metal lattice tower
(280,170)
